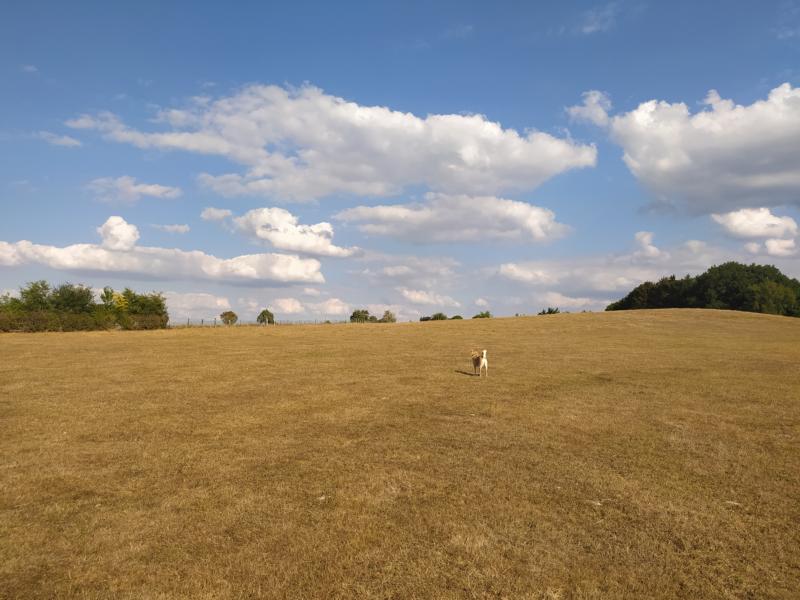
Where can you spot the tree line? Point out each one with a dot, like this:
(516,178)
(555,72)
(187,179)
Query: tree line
(731,286)
(71,307)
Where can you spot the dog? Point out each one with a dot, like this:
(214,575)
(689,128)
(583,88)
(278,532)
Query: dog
(480,362)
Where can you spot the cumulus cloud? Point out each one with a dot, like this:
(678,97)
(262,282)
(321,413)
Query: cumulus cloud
(561,301)
(445,218)
(428,298)
(756,223)
(333,307)
(594,109)
(58,140)
(195,305)
(596,277)
(408,271)
(281,229)
(125,189)
(118,234)
(482,302)
(302,144)
(780,247)
(725,157)
(119,254)
(173,228)
(646,250)
(215,214)
(288,306)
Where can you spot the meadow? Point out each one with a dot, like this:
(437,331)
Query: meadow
(639,454)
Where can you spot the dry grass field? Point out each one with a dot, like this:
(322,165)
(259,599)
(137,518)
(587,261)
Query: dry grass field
(648,454)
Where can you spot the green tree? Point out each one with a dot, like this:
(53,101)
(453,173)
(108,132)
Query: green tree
(107,297)
(265,317)
(229,317)
(388,317)
(731,286)
(456,318)
(483,315)
(549,311)
(35,296)
(360,316)
(72,298)
(439,316)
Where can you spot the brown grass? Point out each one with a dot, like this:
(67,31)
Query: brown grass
(631,454)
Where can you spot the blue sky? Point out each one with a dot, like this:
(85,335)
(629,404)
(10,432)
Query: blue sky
(411,156)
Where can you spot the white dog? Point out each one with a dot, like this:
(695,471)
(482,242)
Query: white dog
(480,362)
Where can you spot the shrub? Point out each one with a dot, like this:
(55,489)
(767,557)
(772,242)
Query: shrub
(438,317)
(549,311)
(360,316)
(456,318)
(229,317)
(388,317)
(483,315)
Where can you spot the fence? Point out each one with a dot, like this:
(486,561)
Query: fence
(216,322)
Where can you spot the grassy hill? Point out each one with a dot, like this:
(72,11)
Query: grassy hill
(631,454)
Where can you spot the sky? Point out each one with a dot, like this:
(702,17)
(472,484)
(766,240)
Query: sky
(316,158)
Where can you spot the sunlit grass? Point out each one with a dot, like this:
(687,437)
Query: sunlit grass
(637,454)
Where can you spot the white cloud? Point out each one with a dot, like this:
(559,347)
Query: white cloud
(407,271)
(526,273)
(594,109)
(331,307)
(780,247)
(195,305)
(562,302)
(728,156)
(756,223)
(593,277)
(311,291)
(118,234)
(753,247)
(58,140)
(215,214)
(303,144)
(118,254)
(482,302)
(646,250)
(599,19)
(280,228)
(125,189)
(28,68)
(444,218)
(173,228)
(428,298)
(288,306)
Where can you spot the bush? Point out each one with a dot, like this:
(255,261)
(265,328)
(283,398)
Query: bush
(483,315)
(229,317)
(456,318)
(360,316)
(70,307)
(549,311)
(438,317)
(388,317)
